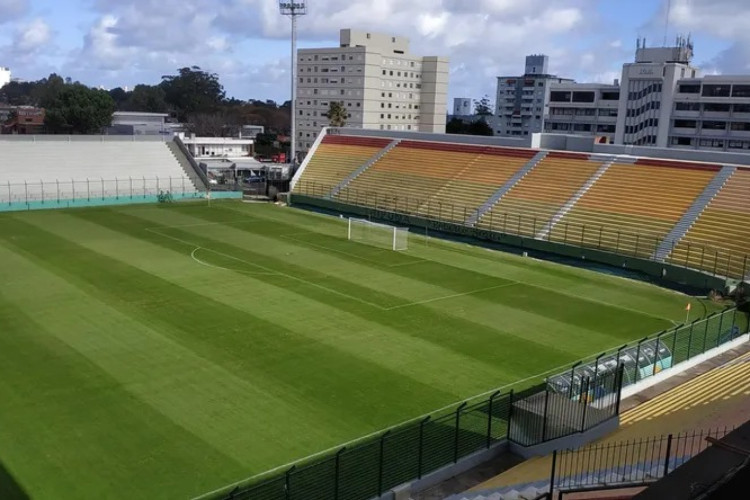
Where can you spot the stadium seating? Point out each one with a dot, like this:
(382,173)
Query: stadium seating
(536,198)
(436,180)
(632,207)
(720,238)
(335,159)
(56,169)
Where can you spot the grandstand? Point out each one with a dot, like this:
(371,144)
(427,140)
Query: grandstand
(652,209)
(62,169)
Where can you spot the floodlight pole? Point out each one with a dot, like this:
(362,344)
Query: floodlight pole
(293,10)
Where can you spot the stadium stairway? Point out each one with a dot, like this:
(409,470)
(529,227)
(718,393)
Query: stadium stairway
(696,209)
(608,161)
(362,169)
(711,399)
(190,170)
(497,195)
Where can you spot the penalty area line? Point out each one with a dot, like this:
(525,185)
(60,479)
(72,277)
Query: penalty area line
(453,296)
(270,270)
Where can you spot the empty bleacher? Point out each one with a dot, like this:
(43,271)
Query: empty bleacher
(336,158)
(632,207)
(47,169)
(720,239)
(536,198)
(446,181)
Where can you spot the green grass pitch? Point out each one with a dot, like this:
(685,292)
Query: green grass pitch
(166,351)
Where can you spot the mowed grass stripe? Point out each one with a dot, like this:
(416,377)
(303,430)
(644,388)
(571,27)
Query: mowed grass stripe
(234,340)
(466,336)
(69,429)
(260,296)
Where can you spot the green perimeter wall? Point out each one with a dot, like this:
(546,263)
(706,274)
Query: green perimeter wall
(660,270)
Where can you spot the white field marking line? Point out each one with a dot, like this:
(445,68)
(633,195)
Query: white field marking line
(344,252)
(268,269)
(418,261)
(199,224)
(455,295)
(213,266)
(381,431)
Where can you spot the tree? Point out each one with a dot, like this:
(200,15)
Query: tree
(148,99)
(455,126)
(476,126)
(79,109)
(120,96)
(479,127)
(483,107)
(336,114)
(193,90)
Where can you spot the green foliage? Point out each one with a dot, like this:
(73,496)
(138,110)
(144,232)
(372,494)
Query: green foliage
(147,98)
(337,114)
(475,127)
(192,91)
(483,107)
(78,109)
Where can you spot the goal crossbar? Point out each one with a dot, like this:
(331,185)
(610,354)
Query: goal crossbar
(377,234)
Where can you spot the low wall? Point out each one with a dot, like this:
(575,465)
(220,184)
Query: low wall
(663,272)
(109,201)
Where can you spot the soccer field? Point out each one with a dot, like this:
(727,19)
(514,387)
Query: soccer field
(166,351)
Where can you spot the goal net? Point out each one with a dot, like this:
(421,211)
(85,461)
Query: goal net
(379,235)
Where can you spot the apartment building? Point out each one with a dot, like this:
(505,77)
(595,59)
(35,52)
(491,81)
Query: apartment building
(712,112)
(380,83)
(583,109)
(647,93)
(462,106)
(5,76)
(521,101)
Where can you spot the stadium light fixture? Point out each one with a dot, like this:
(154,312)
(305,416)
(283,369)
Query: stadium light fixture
(293,10)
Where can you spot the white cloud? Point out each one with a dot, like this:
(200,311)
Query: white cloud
(32,36)
(12,9)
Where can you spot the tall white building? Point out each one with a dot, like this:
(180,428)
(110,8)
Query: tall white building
(583,109)
(521,102)
(4,76)
(647,93)
(380,83)
(462,106)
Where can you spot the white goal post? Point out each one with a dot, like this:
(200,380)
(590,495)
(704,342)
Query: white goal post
(379,235)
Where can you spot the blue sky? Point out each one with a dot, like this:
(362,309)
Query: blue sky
(113,43)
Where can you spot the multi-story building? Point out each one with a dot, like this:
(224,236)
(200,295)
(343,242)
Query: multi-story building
(583,109)
(521,101)
(381,85)
(5,76)
(712,112)
(647,93)
(462,106)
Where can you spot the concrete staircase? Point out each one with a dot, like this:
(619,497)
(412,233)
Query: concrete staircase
(643,472)
(497,195)
(362,168)
(696,209)
(608,161)
(192,170)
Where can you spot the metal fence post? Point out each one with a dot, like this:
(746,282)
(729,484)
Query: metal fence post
(510,413)
(544,420)
(489,417)
(667,457)
(337,473)
(287,482)
(552,475)
(619,381)
(638,361)
(656,351)
(690,338)
(420,454)
(381,462)
(596,369)
(705,331)
(572,377)
(458,422)
(583,399)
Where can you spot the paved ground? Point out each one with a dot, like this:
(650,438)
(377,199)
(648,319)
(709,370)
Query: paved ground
(711,395)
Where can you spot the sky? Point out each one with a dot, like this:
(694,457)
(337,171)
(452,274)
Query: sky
(111,43)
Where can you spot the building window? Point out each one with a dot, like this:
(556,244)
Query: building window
(714,125)
(742,108)
(716,107)
(610,96)
(559,96)
(743,126)
(359,104)
(687,106)
(692,88)
(583,97)
(302,80)
(685,123)
(741,91)
(390,73)
(382,115)
(715,90)
(382,105)
(342,91)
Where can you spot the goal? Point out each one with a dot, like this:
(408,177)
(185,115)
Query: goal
(379,235)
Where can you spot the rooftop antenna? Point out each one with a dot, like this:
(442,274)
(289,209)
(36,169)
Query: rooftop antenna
(666,21)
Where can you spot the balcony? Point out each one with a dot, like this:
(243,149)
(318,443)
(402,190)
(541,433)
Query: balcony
(739,134)
(713,132)
(686,114)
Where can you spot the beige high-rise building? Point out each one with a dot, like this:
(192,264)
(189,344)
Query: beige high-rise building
(381,85)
